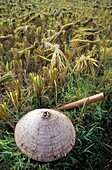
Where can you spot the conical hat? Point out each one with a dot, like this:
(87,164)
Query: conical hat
(45,135)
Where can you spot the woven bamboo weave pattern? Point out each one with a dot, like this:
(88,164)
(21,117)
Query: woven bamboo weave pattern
(45,135)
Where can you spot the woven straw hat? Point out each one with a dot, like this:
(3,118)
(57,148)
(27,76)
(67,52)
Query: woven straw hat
(45,135)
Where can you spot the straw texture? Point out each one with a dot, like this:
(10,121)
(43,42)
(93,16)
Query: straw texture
(45,135)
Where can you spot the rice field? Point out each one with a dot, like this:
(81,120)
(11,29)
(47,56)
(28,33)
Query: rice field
(53,53)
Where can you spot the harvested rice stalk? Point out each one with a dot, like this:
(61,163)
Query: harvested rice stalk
(6,78)
(85,23)
(70,25)
(2,38)
(34,46)
(54,38)
(85,41)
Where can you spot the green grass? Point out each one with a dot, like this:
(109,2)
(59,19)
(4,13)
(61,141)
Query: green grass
(92,150)
(41,44)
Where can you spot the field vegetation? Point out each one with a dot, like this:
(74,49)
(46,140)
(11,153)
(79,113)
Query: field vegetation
(52,53)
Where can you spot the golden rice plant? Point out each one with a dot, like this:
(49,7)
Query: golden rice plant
(86,65)
(58,59)
(37,85)
(27,59)
(2,50)
(17,94)
(53,76)
(16,66)
(14,98)
(4,114)
(106,56)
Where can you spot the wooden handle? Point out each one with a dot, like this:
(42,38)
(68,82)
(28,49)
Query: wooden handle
(85,101)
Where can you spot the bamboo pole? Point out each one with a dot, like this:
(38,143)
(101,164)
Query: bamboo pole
(81,102)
